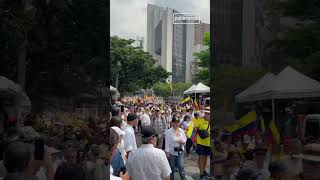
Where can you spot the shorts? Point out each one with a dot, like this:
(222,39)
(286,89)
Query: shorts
(203,150)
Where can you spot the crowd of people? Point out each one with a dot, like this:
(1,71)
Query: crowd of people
(70,149)
(61,148)
(168,132)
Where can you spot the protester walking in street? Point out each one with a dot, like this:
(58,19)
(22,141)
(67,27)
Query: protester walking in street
(175,141)
(114,140)
(186,124)
(129,138)
(145,118)
(116,125)
(159,125)
(203,142)
(148,162)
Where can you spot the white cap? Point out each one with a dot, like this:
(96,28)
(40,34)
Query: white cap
(118,130)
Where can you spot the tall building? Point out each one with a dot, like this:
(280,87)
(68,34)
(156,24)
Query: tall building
(241,30)
(199,30)
(259,29)
(173,45)
(227,31)
(170,44)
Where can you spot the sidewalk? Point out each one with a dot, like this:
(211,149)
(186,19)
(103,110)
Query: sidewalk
(191,167)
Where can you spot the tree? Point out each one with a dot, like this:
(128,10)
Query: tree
(299,45)
(134,68)
(229,80)
(164,89)
(180,87)
(203,62)
(65,46)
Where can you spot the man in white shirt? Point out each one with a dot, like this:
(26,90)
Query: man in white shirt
(145,118)
(174,147)
(159,125)
(148,162)
(129,138)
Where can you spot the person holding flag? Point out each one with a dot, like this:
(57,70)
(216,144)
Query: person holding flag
(189,129)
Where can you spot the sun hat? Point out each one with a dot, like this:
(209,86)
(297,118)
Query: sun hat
(118,130)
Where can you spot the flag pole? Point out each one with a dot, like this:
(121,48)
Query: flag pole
(273,113)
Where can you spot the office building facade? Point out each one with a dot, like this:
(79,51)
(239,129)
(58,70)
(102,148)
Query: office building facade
(173,45)
(242,29)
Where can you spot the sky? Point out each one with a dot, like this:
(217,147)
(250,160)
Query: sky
(129,17)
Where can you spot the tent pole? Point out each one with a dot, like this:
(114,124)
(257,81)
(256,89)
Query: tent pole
(273,113)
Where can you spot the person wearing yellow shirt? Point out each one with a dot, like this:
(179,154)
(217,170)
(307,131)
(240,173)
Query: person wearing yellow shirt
(203,142)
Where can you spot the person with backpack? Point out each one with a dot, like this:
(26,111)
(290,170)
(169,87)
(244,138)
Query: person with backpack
(203,142)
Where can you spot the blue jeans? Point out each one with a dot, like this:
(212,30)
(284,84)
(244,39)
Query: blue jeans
(177,161)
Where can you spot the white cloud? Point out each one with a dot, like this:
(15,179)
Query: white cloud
(129,17)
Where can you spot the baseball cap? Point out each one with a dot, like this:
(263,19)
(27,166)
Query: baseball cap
(131,117)
(148,132)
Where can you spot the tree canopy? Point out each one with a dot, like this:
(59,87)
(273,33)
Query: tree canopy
(134,67)
(64,43)
(229,80)
(203,62)
(299,45)
(164,89)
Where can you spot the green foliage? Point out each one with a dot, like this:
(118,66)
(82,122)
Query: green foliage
(231,80)
(164,90)
(300,44)
(180,87)
(65,45)
(203,63)
(135,68)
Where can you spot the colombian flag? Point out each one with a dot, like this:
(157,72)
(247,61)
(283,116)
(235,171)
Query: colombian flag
(185,100)
(275,132)
(246,125)
(191,132)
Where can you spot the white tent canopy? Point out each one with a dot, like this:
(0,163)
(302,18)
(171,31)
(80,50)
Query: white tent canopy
(289,83)
(201,88)
(190,90)
(258,86)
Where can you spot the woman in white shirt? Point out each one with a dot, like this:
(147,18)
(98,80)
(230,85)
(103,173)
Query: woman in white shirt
(174,147)
(186,124)
(114,140)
